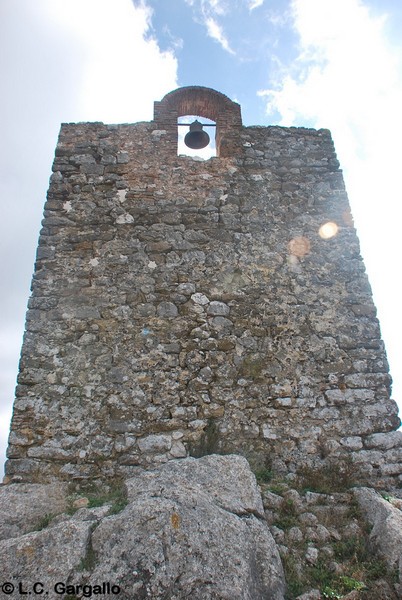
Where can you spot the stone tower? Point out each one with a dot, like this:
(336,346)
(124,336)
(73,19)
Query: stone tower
(184,306)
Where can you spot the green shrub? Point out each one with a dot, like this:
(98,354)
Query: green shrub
(89,561)
(334,476)
(288,516)
(353,548)
(113,493)
(116,497)
(43,522)
(263,475)
(294,583)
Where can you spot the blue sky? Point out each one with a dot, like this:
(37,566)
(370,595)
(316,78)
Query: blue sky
(228,46)
(318,63)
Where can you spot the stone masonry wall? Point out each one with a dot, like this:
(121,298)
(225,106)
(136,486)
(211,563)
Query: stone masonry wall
(183,305)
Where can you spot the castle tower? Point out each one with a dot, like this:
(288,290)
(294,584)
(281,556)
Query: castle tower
(184,306)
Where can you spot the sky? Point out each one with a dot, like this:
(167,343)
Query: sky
(317,63)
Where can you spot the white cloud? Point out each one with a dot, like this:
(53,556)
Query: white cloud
(219,7)
(215,31)
(347,78)
(122,70)
(206,12)
(176,43)
(343,63)
(255,4)
(71,60)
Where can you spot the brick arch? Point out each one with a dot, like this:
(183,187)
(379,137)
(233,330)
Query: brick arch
(203,102)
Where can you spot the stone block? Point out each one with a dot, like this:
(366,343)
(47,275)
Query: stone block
(155,443)
(386,522)
(352,442)
(391,469)
(216,308)
(24,505)
(384,441)
(167,310)
(42,557)
(199,298)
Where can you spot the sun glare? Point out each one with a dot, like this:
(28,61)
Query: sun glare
(328,230)
(299,246)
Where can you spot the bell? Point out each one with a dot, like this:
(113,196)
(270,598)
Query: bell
(196,138)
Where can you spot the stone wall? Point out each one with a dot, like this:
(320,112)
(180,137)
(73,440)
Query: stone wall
(184,306)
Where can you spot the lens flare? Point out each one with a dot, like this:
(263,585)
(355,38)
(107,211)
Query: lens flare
(328,230)
(299,246)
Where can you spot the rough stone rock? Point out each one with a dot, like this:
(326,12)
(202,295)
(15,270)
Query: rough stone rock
(311,595)
(311,555)
(308,519)
(383,591)
(155,443)
(24,505)
(272,500)
(203,525)
(191,528)
(218,309)
(199,298)
(384,441)
(228,479)
(295,535)
(353,595)
(48,556)
(167,310)
(386,519)
(353,442)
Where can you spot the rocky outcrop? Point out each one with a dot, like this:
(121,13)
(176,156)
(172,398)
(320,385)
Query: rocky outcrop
(24,507)
(325,544)
(386,522)
(193,527)
(200,528)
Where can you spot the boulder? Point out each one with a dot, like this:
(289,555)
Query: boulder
(311,595)
(34,563)
(191,528)
(23,506)
(386,520)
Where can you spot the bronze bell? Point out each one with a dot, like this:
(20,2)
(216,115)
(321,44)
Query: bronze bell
(196,138)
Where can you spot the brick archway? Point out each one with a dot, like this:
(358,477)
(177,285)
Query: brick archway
(203,102)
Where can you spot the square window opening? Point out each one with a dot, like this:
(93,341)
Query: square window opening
(209,127)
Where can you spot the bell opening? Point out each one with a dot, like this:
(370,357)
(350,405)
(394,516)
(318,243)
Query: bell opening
(198,139)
